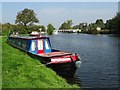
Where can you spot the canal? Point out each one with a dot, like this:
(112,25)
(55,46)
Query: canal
(99,54)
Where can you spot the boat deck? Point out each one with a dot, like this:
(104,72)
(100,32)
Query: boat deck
(54,54)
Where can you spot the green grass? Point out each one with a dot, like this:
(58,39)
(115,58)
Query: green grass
(21,71)
(0,62)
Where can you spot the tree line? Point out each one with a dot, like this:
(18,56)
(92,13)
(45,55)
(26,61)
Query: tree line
(112,26)
(26,19)
(25,24)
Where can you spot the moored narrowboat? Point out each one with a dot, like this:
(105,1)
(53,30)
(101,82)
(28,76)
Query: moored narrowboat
(64,63)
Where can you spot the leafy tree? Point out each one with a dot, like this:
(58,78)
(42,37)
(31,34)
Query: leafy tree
(114,24)
(100,23)
(66,25)
(6,28)
(69,22)
(50,29)
(117,22)
(92,28)
(33,28)
(43,28)
(26,17)
(110,25)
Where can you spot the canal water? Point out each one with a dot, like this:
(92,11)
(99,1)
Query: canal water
(99,54)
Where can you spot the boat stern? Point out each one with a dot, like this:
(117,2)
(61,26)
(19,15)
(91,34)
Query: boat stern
(65,65)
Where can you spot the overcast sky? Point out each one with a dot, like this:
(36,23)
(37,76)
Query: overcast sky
(58,12)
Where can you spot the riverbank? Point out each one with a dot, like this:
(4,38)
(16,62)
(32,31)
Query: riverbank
(21,71)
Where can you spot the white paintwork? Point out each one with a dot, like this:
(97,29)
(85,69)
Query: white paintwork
(60,59)
(40,45)
(33,45)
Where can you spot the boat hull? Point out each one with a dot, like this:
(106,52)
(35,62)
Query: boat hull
(64,69)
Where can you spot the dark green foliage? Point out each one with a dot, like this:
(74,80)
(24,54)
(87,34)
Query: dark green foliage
(19,28)
(26,17)
(43,29)
(92,28)
(0,29)
(66,25)
(50,29)
(117,19)
(9,28)
(31,28)
(114,24)
(25,22)
(35,28)
(6,28)
(21,71)
(76,27)
(83,27)
(69,22)
(100,23)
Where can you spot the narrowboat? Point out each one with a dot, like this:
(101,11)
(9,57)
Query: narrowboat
(64,63)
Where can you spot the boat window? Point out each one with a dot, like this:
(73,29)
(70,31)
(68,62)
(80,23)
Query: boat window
(33,45)
(47,46)
(24,44)
(40,44)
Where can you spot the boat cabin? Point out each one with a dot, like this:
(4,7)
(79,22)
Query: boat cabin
(36,45)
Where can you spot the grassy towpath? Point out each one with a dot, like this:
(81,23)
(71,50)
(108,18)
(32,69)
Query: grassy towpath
(0,62)
(21,71)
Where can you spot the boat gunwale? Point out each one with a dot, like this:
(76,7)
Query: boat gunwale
(52,56)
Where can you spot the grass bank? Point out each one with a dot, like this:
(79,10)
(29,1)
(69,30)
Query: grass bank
(0,62)
(21,71)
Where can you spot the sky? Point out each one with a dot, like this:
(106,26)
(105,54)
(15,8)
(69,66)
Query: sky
(119,6)
(58,12)
(59,0)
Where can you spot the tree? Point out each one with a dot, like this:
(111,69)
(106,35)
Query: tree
(114,24)
(6,28)
(110,25)
(92,28)
(66,25)
(69,22)
(50,29)
(26,17)
(100,23)
(43,28)
(117,23)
